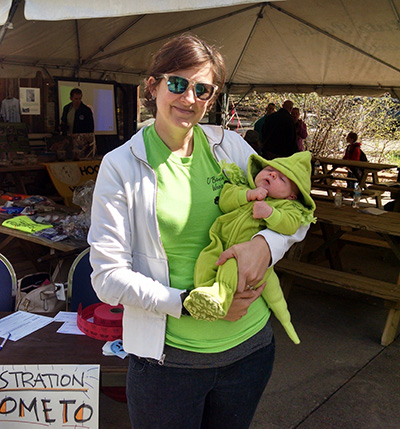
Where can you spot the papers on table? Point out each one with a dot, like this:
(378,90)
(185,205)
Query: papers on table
(20,324)
(65,316)
(69,326)
(373,210)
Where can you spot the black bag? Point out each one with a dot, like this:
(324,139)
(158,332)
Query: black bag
(363,157)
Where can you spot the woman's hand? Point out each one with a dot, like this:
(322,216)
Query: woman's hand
(253,258)
(241,302)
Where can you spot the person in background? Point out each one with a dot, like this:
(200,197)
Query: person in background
(155,198)
(279,133)
(76,117)
(353,153)
(271,108)
(353,149)
(253,140)
(301,128)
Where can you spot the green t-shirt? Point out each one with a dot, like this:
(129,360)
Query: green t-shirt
(187,204)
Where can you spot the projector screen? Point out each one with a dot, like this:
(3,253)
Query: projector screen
(99,96)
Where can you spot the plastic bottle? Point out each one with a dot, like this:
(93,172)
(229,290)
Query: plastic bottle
(316,167)
(356,196)
(338,200)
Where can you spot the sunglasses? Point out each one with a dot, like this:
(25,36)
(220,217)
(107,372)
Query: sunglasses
(178,85)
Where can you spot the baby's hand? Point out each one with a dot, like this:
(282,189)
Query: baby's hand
(261,210)
(257,194)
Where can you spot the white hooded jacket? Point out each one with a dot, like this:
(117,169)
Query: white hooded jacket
(129,263)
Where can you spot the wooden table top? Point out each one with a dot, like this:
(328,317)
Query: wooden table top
(66,245)
(385,223)
(349,163)
(22,168)
(46,346)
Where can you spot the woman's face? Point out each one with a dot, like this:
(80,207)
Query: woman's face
(181,111)
(295,114)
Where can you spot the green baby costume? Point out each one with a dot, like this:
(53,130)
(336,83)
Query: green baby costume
(216,285)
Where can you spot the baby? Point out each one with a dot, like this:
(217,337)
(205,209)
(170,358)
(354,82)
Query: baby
(277,196)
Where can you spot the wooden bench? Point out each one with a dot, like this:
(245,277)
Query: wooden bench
(358,239)
(393,189)
(348,192)
(365,192)
(390,292)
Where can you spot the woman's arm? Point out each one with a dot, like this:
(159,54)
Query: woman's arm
(303,130)
(254,257)
(276,245)
(111,237)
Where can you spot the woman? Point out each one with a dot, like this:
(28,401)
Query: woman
(301,128)
(156,197)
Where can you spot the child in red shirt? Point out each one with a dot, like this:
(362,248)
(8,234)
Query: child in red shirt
(353,150)
(353,153)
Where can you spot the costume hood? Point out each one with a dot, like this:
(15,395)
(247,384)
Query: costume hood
(296,167)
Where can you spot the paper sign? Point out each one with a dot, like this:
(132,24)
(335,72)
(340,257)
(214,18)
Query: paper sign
(66,176)
(55,396)
(30,101)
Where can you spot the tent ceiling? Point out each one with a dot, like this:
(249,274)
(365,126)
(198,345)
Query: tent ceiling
(294,45)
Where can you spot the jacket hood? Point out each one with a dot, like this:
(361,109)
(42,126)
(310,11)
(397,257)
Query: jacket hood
(296,167)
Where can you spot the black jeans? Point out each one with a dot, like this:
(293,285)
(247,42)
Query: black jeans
(186,398)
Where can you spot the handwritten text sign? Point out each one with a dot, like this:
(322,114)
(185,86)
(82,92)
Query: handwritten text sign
(56,396)
(66,176)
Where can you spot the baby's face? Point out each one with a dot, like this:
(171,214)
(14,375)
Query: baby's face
(276,183)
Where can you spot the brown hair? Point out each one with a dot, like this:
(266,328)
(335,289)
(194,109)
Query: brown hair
(180,53)
(353,136)
(75,91)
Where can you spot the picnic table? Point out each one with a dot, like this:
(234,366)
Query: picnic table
(17,172)
(329,179)
(343,223)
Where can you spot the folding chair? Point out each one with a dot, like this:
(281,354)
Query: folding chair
(8,285)
(80,290)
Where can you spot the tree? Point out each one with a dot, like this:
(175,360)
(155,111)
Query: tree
(329,119)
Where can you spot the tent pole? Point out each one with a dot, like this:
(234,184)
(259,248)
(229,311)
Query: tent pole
(174,33)
(113,38)
(6,26)
(239,61)
(395,11)
(337,39)
(78,45)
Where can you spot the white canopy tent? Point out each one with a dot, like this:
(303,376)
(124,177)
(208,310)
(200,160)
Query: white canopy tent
(325,46)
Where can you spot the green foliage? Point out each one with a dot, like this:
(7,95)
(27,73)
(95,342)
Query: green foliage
(329,119)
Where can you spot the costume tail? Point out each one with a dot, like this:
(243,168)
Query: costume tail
(273,296)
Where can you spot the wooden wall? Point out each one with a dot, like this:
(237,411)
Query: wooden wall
(47,121)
